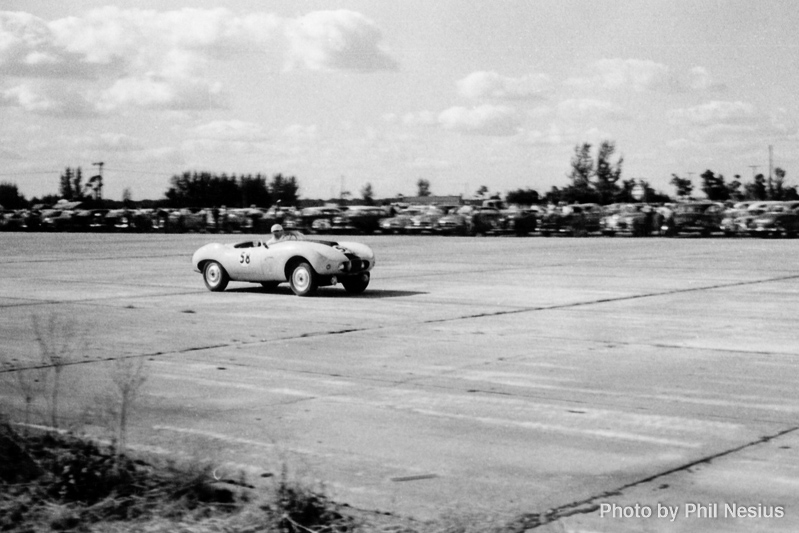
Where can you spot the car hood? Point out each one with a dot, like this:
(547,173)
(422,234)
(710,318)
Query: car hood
(345,247)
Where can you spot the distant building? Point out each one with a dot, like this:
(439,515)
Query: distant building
(429,200)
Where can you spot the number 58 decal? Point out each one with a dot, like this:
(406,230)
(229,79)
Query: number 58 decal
(245,258)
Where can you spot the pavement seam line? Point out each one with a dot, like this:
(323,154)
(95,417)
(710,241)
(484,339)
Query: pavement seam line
(589,505)
(435,321)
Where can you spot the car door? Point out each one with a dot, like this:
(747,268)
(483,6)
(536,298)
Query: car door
(270,261)
(250,263)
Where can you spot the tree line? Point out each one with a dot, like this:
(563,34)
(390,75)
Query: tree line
(204,189)
(760,188)
(592,179)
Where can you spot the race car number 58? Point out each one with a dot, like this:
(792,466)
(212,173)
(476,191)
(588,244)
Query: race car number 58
(245,258)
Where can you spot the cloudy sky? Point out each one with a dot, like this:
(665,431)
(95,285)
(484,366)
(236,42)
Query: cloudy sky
(462,93)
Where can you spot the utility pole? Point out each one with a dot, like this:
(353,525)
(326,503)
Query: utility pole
(98,179)
(770,161)
(770,166)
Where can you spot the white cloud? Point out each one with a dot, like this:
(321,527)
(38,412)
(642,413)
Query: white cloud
(482,120)
(28,99)
(229,130)
(422,118)
(590,109)
(111,142)
(10,155)
(715,112)
(204,149)
(699,79)
(731,124)
(158,92)
(337,40)
(139,58)
(225,137)
(483,85)
(46,99)
(301,133)
(551,137)
(144,39)
(644,75)
(29,48)
(428,163)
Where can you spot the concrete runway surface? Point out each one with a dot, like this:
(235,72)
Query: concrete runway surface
(582,380)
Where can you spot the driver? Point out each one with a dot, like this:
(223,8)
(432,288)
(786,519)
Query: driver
(277,234)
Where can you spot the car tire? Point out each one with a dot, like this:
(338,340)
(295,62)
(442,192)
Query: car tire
(215,276)
(356,284)
(303,280)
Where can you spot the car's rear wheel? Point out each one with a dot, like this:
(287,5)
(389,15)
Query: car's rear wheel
(215,276)
(356,284)
(303,280)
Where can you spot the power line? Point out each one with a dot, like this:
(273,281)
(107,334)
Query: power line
(29,172)
(60,170)
(115,169)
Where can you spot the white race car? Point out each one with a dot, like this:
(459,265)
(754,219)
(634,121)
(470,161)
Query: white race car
(305,263)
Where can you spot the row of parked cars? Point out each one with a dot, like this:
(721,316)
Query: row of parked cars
(705,218)
(492,217)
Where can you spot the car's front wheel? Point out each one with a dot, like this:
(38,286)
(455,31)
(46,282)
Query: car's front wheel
(356,284)
(303,280)
(215,276)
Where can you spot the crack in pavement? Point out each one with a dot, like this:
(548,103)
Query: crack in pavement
(348,330)
(527,521)
(30,302)
(613,299)
(88,258)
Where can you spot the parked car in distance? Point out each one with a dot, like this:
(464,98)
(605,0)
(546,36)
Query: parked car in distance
(11,220)
(316,219)
(738,219)
(187,219)
(779,220)
(484,220)
(57,219)
(703,217)
(454,222)
(636,220)
(577,220)
(426,221)
(358,219)
(520,221)
(401,219)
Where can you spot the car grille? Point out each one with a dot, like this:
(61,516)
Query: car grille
(357,264)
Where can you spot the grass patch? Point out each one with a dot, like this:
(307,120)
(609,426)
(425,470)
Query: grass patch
(58,482)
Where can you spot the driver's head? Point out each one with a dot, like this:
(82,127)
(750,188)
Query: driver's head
(277,231)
